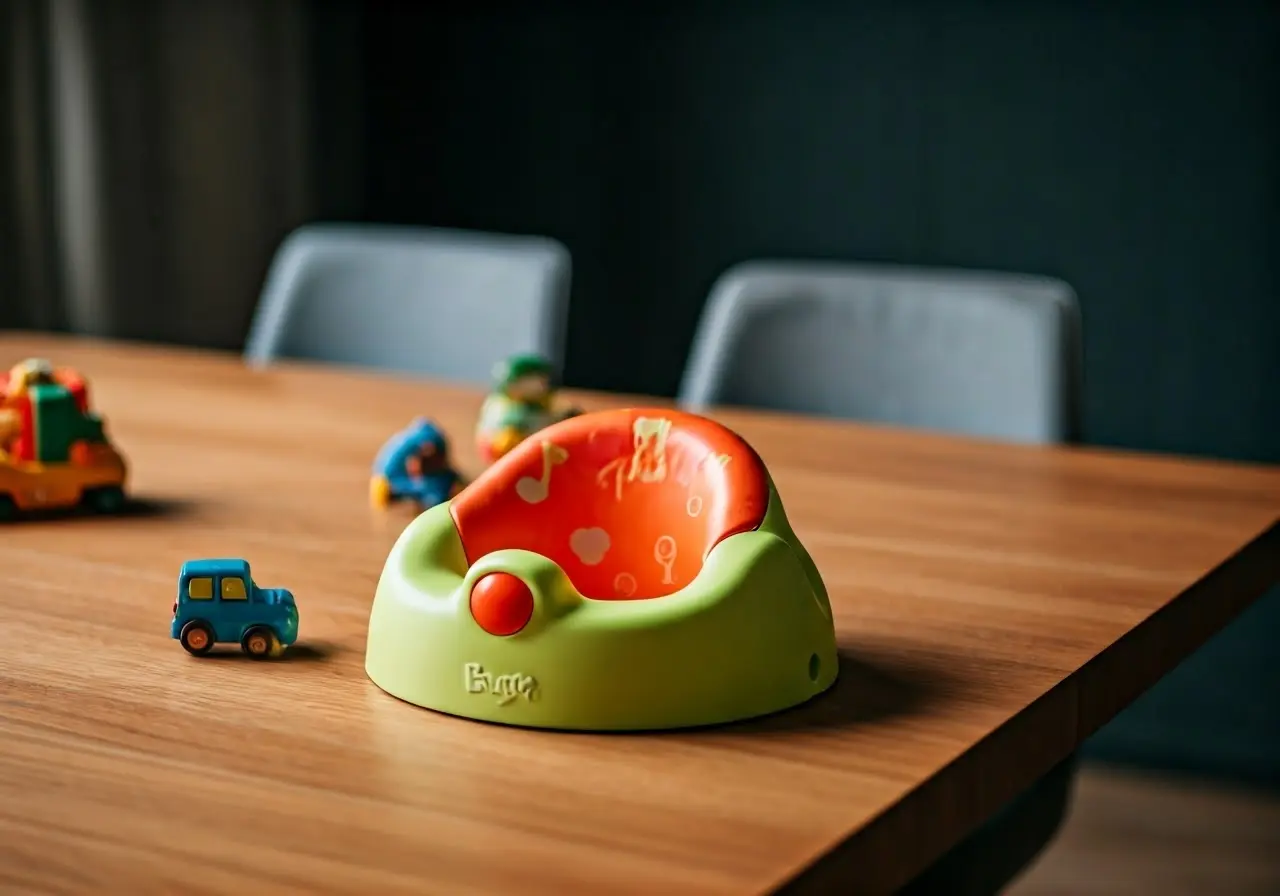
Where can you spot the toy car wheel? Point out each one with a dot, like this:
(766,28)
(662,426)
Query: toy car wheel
(260,642)
(8,508)
(196,637)
(108,499)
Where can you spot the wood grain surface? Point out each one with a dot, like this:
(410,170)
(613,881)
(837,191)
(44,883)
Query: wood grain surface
(995,605)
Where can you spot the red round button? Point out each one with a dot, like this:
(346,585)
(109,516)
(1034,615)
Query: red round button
(501,603)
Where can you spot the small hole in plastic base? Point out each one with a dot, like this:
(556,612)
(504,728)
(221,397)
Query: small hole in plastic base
(815,666)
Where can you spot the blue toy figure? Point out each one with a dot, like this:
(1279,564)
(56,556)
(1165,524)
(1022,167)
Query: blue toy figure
(414,465)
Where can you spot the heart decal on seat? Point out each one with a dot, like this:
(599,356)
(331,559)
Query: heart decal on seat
(589,545)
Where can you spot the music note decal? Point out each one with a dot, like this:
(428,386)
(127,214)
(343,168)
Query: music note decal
(649,450)
(535,491)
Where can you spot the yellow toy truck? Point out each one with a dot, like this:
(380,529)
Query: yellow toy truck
(54,452)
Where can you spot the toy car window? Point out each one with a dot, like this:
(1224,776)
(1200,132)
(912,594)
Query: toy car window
(200,589)
(233,589)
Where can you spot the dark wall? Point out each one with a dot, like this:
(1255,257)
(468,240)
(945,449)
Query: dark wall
(1130,148)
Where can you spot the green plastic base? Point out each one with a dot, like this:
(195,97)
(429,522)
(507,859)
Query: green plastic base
(751,635)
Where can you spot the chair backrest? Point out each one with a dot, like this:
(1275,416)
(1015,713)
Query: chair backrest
(984,354)
(442,303)
(627,502)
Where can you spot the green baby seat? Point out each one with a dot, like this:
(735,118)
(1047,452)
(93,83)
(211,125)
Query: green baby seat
(621,570)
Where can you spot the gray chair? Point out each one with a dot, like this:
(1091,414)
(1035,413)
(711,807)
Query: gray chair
(984,354)
(989,355)
(435,302)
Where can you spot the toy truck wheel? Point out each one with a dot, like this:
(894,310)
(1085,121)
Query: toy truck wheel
(260,642)
(108,499)
(8,508)
(196,637)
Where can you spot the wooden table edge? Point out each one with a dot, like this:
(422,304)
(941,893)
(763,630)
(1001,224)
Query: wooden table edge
(1194,616)
(160,351)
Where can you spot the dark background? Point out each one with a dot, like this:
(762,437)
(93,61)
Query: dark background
(1132,149)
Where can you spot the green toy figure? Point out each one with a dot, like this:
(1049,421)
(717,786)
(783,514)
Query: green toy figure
(519,405)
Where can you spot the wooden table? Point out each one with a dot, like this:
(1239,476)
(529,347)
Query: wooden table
(995,606)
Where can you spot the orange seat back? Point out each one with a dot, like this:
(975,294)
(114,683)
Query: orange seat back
(627,502)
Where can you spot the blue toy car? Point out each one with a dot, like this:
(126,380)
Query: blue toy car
(218,603)
(414,465)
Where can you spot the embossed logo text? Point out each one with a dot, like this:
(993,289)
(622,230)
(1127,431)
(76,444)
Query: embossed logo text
(506,688)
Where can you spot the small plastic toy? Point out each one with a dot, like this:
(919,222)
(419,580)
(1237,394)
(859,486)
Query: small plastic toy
(219,603)
(520,404)
(622,570)
(54,450)
(414,465)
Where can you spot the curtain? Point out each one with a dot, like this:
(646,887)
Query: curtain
(27,273)
(154,154)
